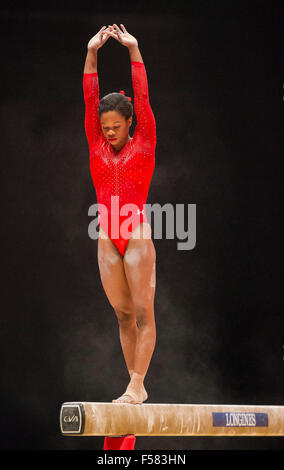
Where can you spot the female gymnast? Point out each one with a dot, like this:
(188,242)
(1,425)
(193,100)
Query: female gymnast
(121,167)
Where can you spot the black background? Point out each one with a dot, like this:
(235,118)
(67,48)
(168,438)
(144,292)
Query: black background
(215,76)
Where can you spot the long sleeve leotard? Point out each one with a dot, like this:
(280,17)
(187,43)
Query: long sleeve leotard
(122,177)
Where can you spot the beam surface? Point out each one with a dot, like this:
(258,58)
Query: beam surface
(153,419)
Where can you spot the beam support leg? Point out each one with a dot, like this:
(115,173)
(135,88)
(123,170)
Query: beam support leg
(120,443)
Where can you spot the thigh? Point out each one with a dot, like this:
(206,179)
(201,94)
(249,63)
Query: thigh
(113,276)
(140,266)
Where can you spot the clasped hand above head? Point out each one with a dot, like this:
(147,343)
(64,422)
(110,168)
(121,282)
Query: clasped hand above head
(121,35)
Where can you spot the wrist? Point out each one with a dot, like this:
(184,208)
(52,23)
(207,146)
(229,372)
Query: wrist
(93,49)
(132,47)
(134,54)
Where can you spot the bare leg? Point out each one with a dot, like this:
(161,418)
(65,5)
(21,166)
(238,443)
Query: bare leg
(117,291)
(139,264)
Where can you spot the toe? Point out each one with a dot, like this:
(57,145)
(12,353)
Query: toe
(125,398)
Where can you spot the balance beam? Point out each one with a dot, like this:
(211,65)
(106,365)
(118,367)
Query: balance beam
(118,419)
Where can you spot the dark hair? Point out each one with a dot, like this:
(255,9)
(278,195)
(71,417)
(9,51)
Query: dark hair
(116,102)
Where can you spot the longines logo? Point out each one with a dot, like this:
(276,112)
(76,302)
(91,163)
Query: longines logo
(72,418)
(238,419)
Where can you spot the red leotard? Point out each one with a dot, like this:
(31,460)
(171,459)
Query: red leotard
(126,173)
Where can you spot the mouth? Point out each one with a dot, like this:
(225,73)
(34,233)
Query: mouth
(112,140)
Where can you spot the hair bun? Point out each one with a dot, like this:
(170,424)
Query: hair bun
(123,93)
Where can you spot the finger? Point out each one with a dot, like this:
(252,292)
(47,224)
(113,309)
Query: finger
(114,31)
(114,35)
(123,28)
(103,32)
(118,35)
(106,36)
(117,28)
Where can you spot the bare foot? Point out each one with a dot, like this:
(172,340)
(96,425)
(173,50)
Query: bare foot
(133,397)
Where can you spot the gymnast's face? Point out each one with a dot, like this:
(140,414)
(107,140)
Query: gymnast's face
(115,128)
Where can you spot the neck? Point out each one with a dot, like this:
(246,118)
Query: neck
(118,149)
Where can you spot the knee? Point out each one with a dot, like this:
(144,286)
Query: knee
(125,319)
(144,315)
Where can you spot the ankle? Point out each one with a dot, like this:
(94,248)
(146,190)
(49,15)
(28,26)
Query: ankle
(137,379)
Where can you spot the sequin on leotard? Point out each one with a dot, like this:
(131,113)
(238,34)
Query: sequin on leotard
(126,173)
